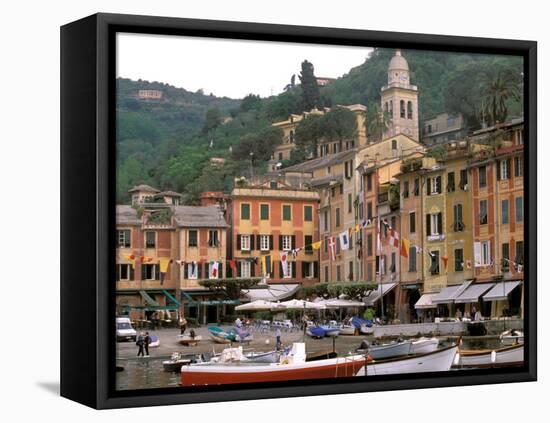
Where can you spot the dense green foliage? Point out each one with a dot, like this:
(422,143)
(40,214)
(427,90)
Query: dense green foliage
(168,143)
(310,90)
(339,124)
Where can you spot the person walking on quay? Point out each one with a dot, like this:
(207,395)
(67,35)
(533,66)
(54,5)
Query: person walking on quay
(458,314)
(146,342)
(278,339)
(183,325)
(140,342)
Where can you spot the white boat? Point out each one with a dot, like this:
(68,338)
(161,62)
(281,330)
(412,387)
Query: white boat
(424,345)
(393,349)
(367,330)
(347,330)
(511,337)
(436,361)
(507,356)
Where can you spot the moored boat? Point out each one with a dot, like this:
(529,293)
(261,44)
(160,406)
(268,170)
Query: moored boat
(189,340)
(220,336)
(393,349)
(330,330)
(155,341)
(291,367)
(347,330)
(316,332)
(424,345)
(436,361)
(175,363)
(511,337)
(502,357)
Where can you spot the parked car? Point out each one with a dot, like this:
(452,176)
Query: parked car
(124,329)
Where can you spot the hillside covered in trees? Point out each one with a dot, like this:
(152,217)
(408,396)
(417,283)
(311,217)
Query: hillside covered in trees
(168,143)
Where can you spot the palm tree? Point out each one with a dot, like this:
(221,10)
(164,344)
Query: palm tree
(497,91)
(377,121)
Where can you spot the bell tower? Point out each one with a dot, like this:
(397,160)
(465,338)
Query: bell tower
(400,99)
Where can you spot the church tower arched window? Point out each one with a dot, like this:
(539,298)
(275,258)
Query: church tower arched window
(402,108)
(409,110)
(391,108)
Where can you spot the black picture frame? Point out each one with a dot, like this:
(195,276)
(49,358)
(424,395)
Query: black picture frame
(88,199)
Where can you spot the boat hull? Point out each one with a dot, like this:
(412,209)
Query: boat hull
(378,352)
(505,356)
(196,375)
(423,346)
(437,361)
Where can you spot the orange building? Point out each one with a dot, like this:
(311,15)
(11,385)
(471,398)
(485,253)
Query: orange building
(498,216)
(270,220)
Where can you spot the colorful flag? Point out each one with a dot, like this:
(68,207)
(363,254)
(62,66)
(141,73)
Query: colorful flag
(394,238)
(316,245)
(405,245)
(284,263)
(344,240)
(468,264)
(332,247)
(214,270)
(357,228)
(233,266)
(132,259)
(295,252)
(266,265)
(163,267)
(194,273)
(445,261)
(378,244)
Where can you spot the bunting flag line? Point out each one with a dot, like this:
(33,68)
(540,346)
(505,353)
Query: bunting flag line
(468,264)
(284,263)
(357,228)
(316,245)
(332,247)
(132,259)
(344,240)
(233,266)
(405,245)
(145,259)
(296,251)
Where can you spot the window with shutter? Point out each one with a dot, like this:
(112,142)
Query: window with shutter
(463,179)
(412,222)
(477,253)
(428,186)
(412,259)
(483,212)
(505,212)
(428,224)
(459,260)
(482,171)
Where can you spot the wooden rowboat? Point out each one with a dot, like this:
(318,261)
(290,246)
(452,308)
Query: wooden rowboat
(436,361)
(502,357)
(190,341)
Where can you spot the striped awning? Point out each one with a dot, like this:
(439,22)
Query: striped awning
(473,292)
(148,299)
(501,290)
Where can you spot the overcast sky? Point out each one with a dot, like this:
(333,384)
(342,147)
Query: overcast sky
(231,68)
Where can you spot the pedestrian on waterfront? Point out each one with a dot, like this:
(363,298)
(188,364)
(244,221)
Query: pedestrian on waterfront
(458,314)
(477,316)
(278,339)
(183,325)
(146,342)
(140,342)
(238,322)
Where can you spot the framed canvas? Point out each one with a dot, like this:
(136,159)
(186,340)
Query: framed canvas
(258,211)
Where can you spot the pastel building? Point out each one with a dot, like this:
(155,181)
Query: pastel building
(271,220)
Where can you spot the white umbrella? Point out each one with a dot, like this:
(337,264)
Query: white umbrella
(257,305)
(338,303)
(301,305)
